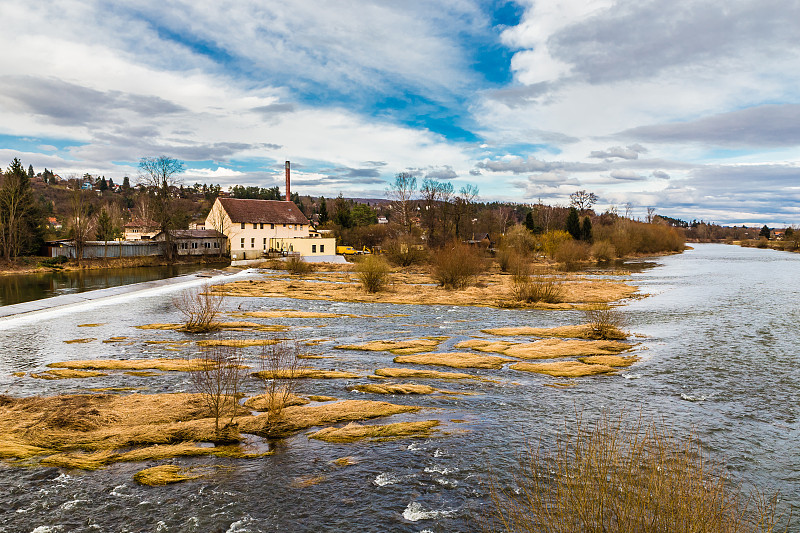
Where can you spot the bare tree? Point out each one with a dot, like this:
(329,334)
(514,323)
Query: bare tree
(651,212)
(200,307)
(582,200)
(158,174)
(467,195)
(279,371)
(217,377)
(628,210)
(436,198)
(79,221)
(401,192)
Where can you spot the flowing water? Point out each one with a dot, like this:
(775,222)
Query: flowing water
(719,357)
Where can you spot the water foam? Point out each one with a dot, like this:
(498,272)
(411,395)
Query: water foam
(415,512)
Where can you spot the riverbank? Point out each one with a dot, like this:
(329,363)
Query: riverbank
(33,265)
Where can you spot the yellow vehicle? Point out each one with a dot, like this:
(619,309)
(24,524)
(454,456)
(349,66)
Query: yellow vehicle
(346,250)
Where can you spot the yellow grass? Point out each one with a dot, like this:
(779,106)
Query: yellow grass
(355,432)
(421,374)
(223,326)
(262,402)
(160,326)
(240,343)
(18,374)
(175,365)
(289,313)
(80,341)
(115,339)
(345,461)
(609,360)
(142,373)
(395,388)
(67,373)
(294,419)
(163,475)
(547,348)
(397,347)
(563,369)
(306,373)
(319,398)
(454,360)
(581,331)
(90,325)
(12,449)
(411,288)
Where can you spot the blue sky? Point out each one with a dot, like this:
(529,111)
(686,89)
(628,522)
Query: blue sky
(689,107)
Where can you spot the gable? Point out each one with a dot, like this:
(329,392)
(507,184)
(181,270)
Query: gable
(262,211)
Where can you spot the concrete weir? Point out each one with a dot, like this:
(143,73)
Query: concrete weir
(99,294)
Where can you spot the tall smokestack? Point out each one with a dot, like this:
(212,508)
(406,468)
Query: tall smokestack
(288,190)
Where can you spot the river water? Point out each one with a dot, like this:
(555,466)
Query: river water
(718,352)
(18,288)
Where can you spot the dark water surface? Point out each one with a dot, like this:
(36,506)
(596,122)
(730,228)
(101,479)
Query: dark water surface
(18,288)
(719,356)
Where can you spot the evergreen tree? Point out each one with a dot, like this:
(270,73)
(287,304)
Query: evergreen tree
(341,212)
(105,227)
(20,216)
(103,184)
(573,225)
(30,172)
(765,232)
(111,183)
(323,210)
(363,215)
(529,223)
(126,183)
(586,229)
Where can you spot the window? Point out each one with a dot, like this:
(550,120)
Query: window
(216,245)
(194,246)
(262,226)
(242,225)
(242,243)
(252,242)
(272,226)
(322,248)
(265,243)
(313,248)
(255,226)
(284,225)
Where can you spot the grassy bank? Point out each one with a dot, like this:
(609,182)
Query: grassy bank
(32,265)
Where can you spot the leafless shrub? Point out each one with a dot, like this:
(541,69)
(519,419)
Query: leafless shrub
(534,289)
(605,322)
(200,308)
(280,366)
(373,273)
(603,251)
(404,251)
(616,477)
(456,265)
(572,252)
(296,266)
(508,259)
(218,378)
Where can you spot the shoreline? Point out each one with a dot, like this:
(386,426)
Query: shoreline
(32,265)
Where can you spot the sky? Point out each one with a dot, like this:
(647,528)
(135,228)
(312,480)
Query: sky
(688,107)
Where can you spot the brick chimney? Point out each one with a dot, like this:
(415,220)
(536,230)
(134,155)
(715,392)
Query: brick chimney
(288,189)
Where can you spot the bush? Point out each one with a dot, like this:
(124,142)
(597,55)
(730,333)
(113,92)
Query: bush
(572,252)
(519,240)
(218,378)
(551,241)
(529,289)
(603,251)
(508,260)
(630,237)
(280,368)
(54,262)
(616,477)
(200,308)
(404,252)
(455,266)
(605,322)
(296,266)
(373,273)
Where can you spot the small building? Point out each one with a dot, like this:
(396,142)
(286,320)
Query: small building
(257,228)
(196,241)
(138,229)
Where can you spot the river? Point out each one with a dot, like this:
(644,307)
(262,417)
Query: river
(719,357)
(18,288)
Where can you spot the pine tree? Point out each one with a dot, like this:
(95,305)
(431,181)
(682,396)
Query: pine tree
(126,183)
(103,184)
(30,172)
(765,232)
(20,216)
(105,227)
(573,225)
(323,210)
(586,230)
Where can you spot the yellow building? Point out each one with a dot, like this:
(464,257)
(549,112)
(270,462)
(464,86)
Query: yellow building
(257,227)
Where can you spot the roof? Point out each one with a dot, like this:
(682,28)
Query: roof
(193,234)
(139,223)
(263,211)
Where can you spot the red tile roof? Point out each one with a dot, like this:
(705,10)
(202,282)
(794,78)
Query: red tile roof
(263,211)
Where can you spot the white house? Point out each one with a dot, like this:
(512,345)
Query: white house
(255,227)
